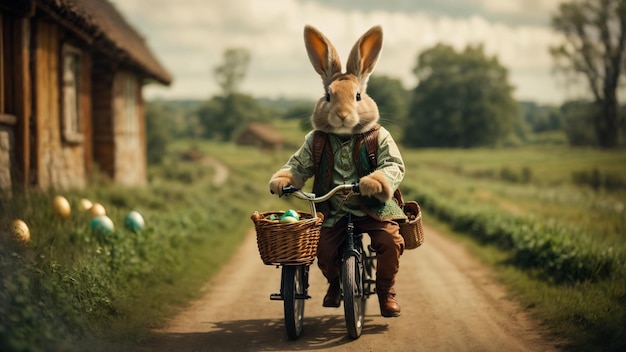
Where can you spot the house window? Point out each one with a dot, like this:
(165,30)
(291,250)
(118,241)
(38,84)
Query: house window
(71,112)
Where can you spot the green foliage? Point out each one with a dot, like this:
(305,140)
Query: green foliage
(593,49)
(542,246)
(71,289)
(302,113)
(392,100)
(548,138)
(157,133)
(598,180)
(541,118)
(232,71)
(578,117)
(177,116)
(281,106)
(463,99)
(560,246)
(221,117)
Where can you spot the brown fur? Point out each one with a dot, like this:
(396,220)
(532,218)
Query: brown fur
(344,114)
(339,111)
(375,184)
(284,178)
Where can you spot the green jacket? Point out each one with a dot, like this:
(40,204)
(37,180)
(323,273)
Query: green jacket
(348,165)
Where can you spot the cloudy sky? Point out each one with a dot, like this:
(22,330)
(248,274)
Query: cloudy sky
(190,36)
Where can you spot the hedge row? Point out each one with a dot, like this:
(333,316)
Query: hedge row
(556,253)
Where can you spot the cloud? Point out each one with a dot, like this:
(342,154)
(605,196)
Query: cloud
(520,7)
(190,36)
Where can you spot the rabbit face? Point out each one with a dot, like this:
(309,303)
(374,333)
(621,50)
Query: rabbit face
(345,108)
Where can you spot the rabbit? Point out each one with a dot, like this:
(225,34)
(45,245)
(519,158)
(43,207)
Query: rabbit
(345,115)
(345,109)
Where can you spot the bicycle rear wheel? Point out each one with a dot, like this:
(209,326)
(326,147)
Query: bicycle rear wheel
(293,299)
(353,297)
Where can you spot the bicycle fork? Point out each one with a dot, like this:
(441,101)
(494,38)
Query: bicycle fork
(364,259)
(353,248)
(305,282)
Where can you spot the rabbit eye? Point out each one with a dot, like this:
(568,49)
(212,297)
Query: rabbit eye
(358,96)
(328,97)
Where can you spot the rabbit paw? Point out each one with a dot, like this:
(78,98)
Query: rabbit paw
(281,179)
(376,185)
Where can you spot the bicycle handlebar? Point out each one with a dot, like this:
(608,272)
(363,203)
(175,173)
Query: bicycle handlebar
(290,190)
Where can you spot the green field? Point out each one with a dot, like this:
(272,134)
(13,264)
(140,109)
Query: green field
(557,242)
(533,182)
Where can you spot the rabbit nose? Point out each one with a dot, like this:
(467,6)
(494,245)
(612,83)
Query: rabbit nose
(342,114)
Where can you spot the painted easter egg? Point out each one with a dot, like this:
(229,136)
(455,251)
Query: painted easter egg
(134,221)
(61,207)
(85,204)
(102,224)
(97,209)
(20,230)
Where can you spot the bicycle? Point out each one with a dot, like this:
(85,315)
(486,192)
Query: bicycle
(357,269)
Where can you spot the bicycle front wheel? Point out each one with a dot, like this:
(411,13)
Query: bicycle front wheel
(353,297)
(293,299)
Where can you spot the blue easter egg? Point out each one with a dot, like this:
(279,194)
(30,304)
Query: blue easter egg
(291,213)
(134,221)
(102,224)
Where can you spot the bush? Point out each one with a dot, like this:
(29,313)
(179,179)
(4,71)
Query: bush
(578,123)
(596,180)
(157,133)
(546,248)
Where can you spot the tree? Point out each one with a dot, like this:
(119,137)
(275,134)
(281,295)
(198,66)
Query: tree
(232,71)
(392,100)
(594,44)
(157,133)
(221,116)
(578,122)
(463,99)
(541,118)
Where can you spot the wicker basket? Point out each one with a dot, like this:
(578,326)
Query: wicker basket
(287,243)
(412,230)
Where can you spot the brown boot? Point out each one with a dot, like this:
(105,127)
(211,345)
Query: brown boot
(333,295)
(389,307)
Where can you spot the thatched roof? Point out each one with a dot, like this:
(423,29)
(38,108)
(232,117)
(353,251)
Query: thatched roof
(266,132)
(102,23)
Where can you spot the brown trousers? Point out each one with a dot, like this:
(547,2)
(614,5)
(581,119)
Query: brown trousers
(386,240)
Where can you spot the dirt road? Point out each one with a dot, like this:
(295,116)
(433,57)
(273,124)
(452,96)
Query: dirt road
(449,303)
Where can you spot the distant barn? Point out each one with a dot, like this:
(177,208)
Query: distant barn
(262,136)
(71,77)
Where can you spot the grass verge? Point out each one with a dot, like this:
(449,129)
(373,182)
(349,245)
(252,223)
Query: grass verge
(73,289)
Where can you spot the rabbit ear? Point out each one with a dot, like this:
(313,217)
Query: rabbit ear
(364,54)
(322,54)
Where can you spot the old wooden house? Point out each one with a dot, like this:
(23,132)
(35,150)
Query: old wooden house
(262,136)
(71,79)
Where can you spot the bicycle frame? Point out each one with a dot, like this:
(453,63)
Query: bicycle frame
(357,262)
(294,281)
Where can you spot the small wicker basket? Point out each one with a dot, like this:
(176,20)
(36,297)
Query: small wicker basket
(287,243)
(412,230)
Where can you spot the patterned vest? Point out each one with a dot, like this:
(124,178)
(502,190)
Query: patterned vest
(363,159)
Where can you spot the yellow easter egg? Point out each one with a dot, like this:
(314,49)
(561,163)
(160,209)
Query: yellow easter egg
(85,204)
(20,230)
(61,207)
(97,209)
